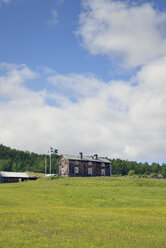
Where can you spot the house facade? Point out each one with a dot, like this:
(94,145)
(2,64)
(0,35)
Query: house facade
(71,165)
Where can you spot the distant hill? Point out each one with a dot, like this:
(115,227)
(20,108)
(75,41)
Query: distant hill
(15,160)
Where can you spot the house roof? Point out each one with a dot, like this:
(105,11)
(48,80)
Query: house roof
(86,158)
(14,174)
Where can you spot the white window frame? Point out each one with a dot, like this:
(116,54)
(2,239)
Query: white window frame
(90,171)
(76,170)
(102,164)
(63,171)
(102,172)
(89,163)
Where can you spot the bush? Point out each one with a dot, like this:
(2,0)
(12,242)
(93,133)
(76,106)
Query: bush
(144,176)
(131,173)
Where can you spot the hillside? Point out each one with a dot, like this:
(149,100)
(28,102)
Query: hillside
(83,212)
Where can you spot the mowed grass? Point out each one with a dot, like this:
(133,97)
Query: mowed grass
(83,212)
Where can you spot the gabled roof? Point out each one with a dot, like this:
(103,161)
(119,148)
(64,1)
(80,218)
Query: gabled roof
(14,174)
(86,158)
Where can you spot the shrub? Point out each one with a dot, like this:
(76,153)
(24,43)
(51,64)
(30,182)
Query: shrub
(131,173)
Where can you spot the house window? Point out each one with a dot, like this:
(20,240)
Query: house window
(89,171)
(102,164)
(76,170)
(63,171)
(103,172)
(89,163)
(76,162)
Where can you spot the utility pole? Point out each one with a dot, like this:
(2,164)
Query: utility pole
(50,163)
(45,164)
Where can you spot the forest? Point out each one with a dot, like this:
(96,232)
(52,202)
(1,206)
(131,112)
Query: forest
(15,160)
(125,167)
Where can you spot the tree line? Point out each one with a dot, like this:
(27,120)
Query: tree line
(20,161)
(123,167)
(15,160)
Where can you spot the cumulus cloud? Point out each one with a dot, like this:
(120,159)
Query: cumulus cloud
(76,86)
(13,77)
(133,33)
(115,118)
(119,118)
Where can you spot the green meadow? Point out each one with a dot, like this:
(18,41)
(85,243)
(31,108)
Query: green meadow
(83,212)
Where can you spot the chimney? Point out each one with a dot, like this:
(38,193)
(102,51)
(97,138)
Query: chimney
(80,155)
(96,157)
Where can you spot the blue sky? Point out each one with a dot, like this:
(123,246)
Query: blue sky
(30,36)
(84,76)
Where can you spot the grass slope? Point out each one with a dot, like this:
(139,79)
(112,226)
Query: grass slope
(83,212)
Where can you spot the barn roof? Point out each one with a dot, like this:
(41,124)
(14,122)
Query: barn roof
(14,174)
(86,158)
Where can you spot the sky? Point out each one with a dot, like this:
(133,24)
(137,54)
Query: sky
(84,75)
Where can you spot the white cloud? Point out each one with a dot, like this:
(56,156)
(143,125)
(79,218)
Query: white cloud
(134,33)
(113,118)
(54,18)
(15,75)
(70,85)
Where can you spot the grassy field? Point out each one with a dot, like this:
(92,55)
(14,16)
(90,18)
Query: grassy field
(83,212)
